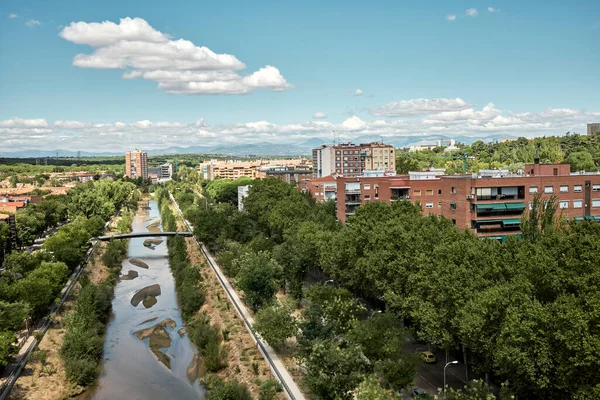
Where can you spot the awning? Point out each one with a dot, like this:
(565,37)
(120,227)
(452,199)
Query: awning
(511,222)
(486,222)
(579,218)
(490,207)
(515,206)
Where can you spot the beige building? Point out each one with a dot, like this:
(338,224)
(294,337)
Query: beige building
(136,164)
(214,169)
(593,128)
(352,160)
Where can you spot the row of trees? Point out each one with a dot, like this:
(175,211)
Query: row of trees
(525,312)
(581,151)
(30,283)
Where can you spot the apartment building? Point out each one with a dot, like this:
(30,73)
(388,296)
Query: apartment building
(352,160)
(136,164)
(593,128)
(489,204)
(214,169)
(293,175)
(322,189)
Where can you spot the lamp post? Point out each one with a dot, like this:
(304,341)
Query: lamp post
(329,281)
(375,312)
(451,362)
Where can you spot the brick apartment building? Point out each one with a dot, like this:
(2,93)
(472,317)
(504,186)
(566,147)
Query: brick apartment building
(489,204)
(592,129)
(136,164)
(351,159)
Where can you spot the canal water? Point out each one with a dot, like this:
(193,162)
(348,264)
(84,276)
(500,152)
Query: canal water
(130,369)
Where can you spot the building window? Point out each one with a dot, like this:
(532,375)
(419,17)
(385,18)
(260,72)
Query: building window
(439,204)
(429,192)
(417,192)
(376,192)
(577,189)
(454,221)
(453,206)
(367,197)
(548,189)
(555,171)
(530,205)
(577,203)
(564,204)
(595,188)
(439,191)
(453,191)
(367,187)
(596,203)
(564,188)
(532,189)
(429,205)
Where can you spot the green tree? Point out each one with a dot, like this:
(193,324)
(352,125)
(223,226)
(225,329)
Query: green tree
(370,389)
(275,324)
(259,278)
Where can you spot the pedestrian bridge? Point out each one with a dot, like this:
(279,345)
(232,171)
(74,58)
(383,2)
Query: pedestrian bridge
(143,234)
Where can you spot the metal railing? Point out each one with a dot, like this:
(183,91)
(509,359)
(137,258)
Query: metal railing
(255,338)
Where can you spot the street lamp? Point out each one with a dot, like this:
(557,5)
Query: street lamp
(451,362)
(329,281)
(375,312)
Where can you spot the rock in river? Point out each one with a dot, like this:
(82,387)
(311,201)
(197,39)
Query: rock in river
(152,290)
(138,263)
(129,276)
(159,339)
(152,243)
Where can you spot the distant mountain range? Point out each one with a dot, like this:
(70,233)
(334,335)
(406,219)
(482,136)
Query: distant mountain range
(260,149)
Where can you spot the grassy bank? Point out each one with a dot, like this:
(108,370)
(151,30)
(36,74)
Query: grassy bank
(59,368)
(231,366)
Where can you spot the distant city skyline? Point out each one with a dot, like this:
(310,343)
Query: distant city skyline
(108,77)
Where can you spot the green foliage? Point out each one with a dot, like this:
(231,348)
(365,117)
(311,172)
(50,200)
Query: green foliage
(7,350)
(269,390)
(226,191)
(275,324)
(114,254)
(332,372)
(41,286)
(202,333)
(82,343)
(370,389)
(215,357)
(34,219)
(258,277)
(228,390)
(13,315)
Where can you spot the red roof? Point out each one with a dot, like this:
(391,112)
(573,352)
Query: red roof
(18,204)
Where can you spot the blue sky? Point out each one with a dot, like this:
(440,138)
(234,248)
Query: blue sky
(518,68)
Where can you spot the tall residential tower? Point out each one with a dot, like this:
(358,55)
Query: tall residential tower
(136,164)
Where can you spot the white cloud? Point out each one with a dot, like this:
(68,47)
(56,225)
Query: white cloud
(471,12)
(493,10)
(319,115)
(18,134)
(451,17)
(353,124)
(358,92)
(32,22)
(11,16)
(419,107)
(178,66)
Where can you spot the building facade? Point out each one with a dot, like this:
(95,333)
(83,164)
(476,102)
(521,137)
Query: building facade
(488,204)
(352,160)
(136,164)
(593,128)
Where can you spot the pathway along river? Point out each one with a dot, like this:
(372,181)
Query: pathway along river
(131,371)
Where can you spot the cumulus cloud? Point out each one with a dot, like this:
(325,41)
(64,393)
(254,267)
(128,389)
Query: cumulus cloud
(19,133)
(11,16)
(418,107)
(178,66)
(319,115)
(32,22)
(357,92)
(471,12)
(451,17)
(493,10)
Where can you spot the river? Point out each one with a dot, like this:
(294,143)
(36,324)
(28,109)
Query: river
(130,370)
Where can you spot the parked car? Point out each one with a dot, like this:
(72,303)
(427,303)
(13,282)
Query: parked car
(428,357)
(419,393)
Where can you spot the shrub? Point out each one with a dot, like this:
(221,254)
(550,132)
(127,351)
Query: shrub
(215,357)
(203,333)
(231,390)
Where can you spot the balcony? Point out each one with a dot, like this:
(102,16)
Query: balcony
(499,193)
(509,225)
(399,194)
(352,199)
